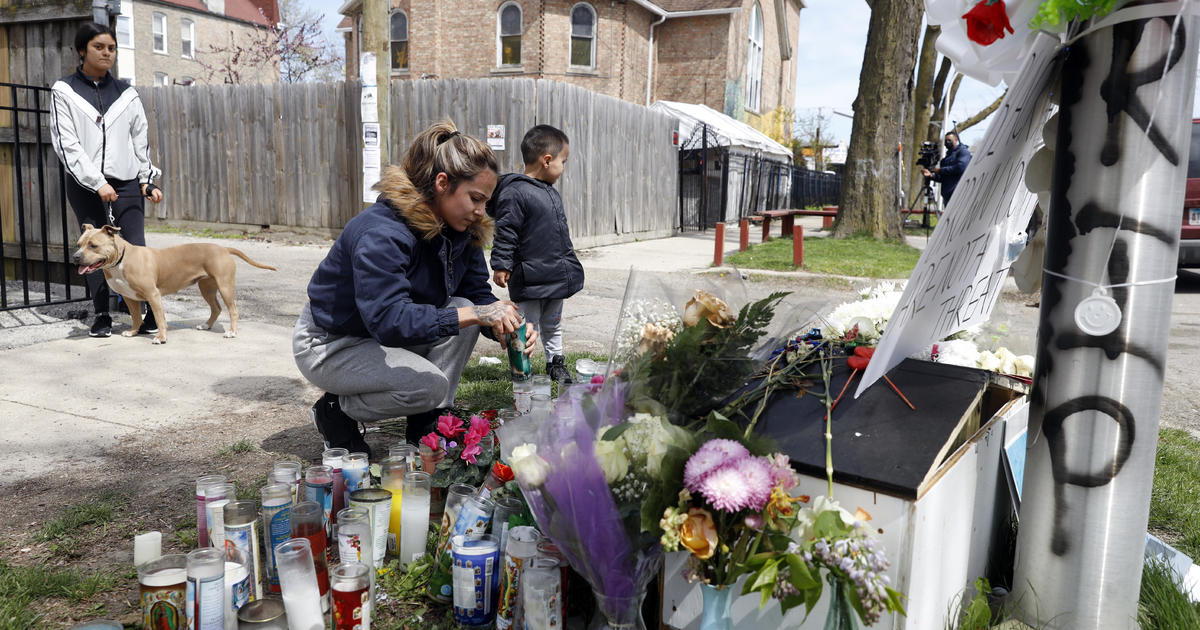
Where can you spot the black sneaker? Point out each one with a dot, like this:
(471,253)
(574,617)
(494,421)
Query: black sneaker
(149,326)
(557,371)
(336,428)
(418,425)
(101,326)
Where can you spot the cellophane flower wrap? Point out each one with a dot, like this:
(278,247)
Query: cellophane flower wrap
(584,486)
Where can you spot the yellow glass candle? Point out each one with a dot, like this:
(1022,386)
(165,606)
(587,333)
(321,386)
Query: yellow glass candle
(392,472)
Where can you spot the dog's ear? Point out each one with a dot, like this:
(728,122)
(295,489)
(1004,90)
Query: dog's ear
(88,226)
(112,229)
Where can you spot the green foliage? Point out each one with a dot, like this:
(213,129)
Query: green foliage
(976,615)
(1055,13)
(700,365)
(1174,515)
(63,531)
(20,587)
(240,446)
(857,256)
(1162,603)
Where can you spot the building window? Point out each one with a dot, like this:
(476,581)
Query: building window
(399,38)
(160,33)
(161,79)
(187,38)
(125,31)
(508,48)
(754,60)
(583,36)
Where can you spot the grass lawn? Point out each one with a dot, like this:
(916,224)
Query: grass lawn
(489,386)
(856,256)
(1175,499)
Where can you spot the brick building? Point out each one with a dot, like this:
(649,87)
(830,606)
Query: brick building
(736,56)
(159,39)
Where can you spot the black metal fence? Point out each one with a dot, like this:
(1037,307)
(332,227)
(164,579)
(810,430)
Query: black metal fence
(739,185)
(36,245)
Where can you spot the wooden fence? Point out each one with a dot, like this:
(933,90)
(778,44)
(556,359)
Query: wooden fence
(289,155)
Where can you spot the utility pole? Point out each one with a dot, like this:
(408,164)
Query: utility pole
(375,73)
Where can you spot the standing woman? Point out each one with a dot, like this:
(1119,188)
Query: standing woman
(397,305)
(99,133)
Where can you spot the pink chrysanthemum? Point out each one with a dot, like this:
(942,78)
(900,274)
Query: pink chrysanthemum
(757,473)
(727,489)
(782,474)
(711,456)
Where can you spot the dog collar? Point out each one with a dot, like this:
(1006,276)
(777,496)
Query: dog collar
(118,263)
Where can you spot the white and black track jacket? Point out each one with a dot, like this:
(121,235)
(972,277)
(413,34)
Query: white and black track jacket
(99,130)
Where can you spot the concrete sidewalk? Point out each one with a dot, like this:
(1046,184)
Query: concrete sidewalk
(67,400)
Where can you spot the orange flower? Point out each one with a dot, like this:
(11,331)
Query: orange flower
(699,533)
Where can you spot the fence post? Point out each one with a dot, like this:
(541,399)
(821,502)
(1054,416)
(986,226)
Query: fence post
(743,235)
(719,247)
(797,245)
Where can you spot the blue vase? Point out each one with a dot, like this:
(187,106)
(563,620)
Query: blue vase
(716,614)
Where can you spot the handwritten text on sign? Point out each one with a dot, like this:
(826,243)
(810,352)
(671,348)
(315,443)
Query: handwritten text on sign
(962,269)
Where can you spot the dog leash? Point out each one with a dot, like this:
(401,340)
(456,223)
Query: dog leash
(111,220)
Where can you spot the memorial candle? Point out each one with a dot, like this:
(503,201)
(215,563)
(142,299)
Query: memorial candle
(333,458)
(203,482)
(414,516)
(307,523)
(277,526)
(216,497)
(206,589)
(298,579)
(392,472)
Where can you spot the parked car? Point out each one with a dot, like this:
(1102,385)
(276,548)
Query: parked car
(1189,234)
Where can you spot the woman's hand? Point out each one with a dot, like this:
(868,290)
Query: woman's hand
(502,317)
(107,193)
(156,196)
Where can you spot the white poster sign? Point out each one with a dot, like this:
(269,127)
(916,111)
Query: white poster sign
(959,275)
(370,104)
(371,135)
(366,69)
(495,137)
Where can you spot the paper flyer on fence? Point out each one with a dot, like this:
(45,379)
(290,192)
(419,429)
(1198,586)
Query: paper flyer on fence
(959,275)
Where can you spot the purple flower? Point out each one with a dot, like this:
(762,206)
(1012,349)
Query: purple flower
(712,456)
(727,489)
(757,473)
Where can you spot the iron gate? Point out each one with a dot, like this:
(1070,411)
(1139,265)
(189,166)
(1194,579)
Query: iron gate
(34,220)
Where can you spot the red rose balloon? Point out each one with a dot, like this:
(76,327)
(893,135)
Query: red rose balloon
(987,22)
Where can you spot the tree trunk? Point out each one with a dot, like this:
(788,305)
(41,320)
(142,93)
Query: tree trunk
(922,108)
(871,197)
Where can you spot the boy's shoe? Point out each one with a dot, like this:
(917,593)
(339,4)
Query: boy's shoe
(557,370)
(336,428)
(418,425)
(101,326)
(149,326)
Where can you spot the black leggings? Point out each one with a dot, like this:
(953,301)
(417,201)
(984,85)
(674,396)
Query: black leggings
(129,214)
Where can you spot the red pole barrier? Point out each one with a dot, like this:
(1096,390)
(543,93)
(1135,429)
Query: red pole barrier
(766,229)
(797,245)
(719,248)
(743,235)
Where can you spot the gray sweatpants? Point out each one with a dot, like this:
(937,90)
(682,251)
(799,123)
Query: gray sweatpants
(546,317)
(374,382)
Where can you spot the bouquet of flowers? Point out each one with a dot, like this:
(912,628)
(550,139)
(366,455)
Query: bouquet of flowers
(463,451)
(583,472)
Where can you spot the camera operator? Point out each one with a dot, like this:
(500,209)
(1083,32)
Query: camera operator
(951,167)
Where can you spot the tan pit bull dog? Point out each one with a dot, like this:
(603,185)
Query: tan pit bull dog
(143,274)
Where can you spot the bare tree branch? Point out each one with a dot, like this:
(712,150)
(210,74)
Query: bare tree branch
(295,46)
(980,115)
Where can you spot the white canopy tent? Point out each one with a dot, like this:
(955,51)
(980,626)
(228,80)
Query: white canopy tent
(723,130)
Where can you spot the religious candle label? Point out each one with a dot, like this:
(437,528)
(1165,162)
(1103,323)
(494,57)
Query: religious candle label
(279,529)
(350,547)
(164,598)
(206,603)
(245,539)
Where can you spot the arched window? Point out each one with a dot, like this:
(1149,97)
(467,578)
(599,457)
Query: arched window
(754,60)
(508,33)
(399,39)
(583,36)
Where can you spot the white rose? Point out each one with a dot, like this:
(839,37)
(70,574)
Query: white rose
(1023,365)
(988,361)
(611,456)
(1007,360)
(655,453)
(528,466)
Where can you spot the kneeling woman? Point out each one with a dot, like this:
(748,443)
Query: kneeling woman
(397,305)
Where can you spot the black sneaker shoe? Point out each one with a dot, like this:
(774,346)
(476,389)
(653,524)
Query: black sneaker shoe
(418,425)
(336,428)
(149,326)
(101,326)
(557,371)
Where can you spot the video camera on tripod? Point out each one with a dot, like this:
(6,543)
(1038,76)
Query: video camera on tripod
(928,155)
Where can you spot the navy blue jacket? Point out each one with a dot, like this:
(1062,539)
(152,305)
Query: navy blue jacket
(533,241)
(951,170)
(382,280)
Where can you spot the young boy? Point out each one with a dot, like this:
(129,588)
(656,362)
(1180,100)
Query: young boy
(532,254)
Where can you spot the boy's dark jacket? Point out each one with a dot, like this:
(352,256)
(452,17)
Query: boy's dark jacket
(393,269)
(532,240)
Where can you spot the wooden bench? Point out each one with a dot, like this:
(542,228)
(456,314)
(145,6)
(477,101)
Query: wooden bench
(788,218)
